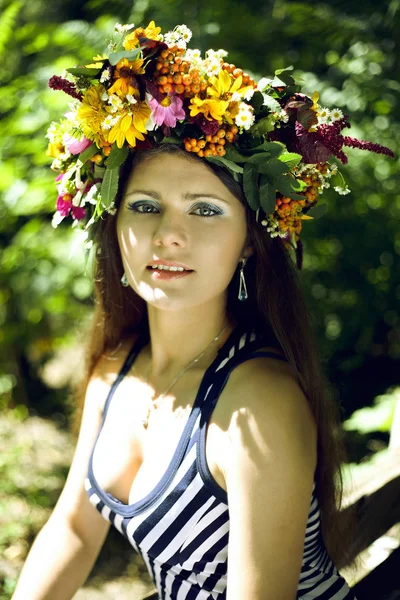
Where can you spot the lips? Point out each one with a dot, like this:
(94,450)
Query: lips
(168,263)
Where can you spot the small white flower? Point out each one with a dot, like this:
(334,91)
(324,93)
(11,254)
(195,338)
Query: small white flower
(123,28)
(193,55)
(184,32)
(105,76)
(131,99)
(213,66)
(245,116)
(343,190)
(171,38)
(324,116)
(104,96)
(56,220)
(110,121)
(115,102)
(236,97)
(336,114)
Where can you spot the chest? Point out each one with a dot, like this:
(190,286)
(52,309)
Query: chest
(129,460)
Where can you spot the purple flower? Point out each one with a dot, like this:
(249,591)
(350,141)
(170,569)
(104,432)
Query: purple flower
(78,212)
(208,127)
(64,206)
(168,111)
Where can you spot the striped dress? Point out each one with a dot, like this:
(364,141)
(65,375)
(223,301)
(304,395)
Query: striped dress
(181,528)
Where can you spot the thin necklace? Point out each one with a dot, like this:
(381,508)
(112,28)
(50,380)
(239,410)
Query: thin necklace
(154,404)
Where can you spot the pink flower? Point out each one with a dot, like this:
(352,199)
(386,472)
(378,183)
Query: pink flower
(75,146)
(64,206)
(168,111)
(78,212)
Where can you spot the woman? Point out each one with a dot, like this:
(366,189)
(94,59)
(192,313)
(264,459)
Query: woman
(205,418)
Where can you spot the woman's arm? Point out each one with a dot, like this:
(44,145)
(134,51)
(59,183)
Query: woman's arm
(66,548)
(268,462)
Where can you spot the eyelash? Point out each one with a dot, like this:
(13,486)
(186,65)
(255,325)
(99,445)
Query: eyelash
(134,206)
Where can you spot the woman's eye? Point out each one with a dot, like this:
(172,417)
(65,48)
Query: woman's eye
(204,208)
(141,207)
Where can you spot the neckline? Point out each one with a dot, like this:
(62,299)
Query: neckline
(130,510)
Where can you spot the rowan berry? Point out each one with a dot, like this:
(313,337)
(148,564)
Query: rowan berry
(201,144)
(179,89)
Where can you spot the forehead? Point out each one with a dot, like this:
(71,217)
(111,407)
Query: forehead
(174,171)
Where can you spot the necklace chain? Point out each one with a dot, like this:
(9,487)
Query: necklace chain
(145,420)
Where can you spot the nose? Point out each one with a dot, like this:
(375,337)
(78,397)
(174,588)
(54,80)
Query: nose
(170,232)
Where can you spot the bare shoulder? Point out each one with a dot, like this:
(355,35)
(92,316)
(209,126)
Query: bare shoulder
(106,371)
(263,404)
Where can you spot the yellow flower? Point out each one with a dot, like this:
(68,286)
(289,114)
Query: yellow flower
(125,77)
(212,109)
(131,126)
(92,113)
(151,32)
(222,88)
(55,149)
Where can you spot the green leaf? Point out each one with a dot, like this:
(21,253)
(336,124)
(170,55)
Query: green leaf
(170,140)
(267,195)
(285,184)
(221,161)
(292,159)
(84,71)
(257,101)
(115,57)
(250,186)
(98,172)
(88,153)
(317,211)
(283,78)
(273,167)
(274,148)
(109,187)
(117,157)
(264,125)
(233,154)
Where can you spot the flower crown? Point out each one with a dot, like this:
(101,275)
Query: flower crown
(151,89)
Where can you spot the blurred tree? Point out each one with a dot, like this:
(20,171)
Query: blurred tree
(351,277)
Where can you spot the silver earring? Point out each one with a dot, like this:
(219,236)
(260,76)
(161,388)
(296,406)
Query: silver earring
(242,286)
(124,280)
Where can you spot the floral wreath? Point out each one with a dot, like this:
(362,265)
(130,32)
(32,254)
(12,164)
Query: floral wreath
(151,89)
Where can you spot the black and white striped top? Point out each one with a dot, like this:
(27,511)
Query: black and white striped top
(181,528)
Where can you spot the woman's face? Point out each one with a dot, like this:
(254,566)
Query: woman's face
(177,210)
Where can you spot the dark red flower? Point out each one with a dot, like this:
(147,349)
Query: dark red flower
(59,83)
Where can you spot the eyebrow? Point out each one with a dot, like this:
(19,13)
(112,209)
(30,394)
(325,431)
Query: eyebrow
(188,196)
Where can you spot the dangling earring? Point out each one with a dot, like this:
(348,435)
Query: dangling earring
(242,286)
(124,280)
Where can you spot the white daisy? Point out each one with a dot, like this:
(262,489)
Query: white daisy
(245,116)
(184,32)
(105,76)
(110,121)
(336,114)
(115,102)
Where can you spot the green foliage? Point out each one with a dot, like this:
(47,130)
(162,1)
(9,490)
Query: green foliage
(378,417)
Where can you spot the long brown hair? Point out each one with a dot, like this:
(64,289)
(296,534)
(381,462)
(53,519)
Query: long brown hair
(275,303)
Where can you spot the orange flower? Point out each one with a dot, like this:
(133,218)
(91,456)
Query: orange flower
(125,77)
(151,32)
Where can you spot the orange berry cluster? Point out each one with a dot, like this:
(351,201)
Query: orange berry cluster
(212,145)
(173,74)
(288,212)
(235,72)
(313,183)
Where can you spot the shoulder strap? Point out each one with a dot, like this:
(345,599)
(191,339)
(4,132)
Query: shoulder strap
(222,376)
(129,360)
